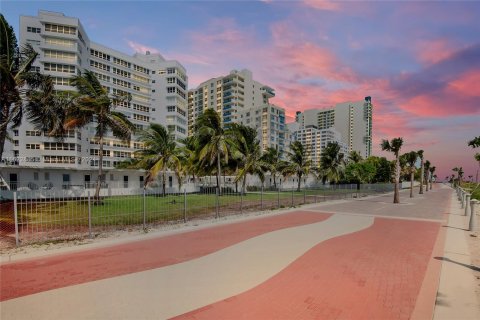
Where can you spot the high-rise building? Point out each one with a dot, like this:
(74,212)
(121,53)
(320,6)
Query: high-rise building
(157,87)
(315,140)
(229,95)
(269,121)
(353,120)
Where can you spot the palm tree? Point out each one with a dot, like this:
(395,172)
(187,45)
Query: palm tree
(394,146)
(432,171)
(411,159)
(248,152)
(354,156)
(426,165)
(160,153)
(475,142)
(332,164)
(17,83)
(92,104)
(299,162)
(271,156)
(420,155)
(214,142)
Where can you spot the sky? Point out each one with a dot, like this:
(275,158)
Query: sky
(418,60)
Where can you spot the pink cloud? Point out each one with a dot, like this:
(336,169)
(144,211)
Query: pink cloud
(322,5)
(141,48)
(430,52)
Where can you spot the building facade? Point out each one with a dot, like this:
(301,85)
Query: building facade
(229,95)
(269,121)
(157,87)
(352,120)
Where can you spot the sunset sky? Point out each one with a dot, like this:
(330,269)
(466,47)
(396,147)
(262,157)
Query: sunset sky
(420,61)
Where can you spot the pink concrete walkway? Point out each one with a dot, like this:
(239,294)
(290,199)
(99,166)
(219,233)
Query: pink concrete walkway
(42,274)
(372,274)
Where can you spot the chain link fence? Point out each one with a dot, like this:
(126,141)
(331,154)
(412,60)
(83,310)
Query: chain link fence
(34,216)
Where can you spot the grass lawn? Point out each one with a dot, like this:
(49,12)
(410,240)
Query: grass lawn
(128,210)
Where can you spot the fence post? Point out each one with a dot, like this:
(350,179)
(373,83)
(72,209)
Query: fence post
(261,198)
(216,203)
(89,215)
(144,210)
(185,205)
(15,213)
(467,201)
(241,202)
(472,225)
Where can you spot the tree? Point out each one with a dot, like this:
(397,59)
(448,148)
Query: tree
(477,157)
(160,153)
(361,172)
(420,155)
(271,157)
(93,104)
(213,142)
(432,174)
(188,155)
(354,156)
(411,159)
(394,146)
(475,142)
(332,164)
(459,171)
(248,152)
(383,169)
(426,166)
(299,163)
(17,82)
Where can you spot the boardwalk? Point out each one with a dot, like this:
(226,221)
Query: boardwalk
(359,259)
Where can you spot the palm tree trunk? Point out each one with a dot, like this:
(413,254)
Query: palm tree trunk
(244,184)
(396,194)
(299,182)
(218,174)
(4,113)
(421,177)
(100,165)
(476,179)
(426,181)
(412,177)
(275,181)
(163,181)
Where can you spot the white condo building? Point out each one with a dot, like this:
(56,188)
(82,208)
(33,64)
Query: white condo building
(352,120)
(315,140)
(269,121)
(158,90)
(229,95)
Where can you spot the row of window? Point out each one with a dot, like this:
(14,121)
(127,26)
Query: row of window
(60,29)
(60,42)
(59,67)
(62,55)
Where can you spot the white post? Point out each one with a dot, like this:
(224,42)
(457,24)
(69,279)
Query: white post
(467,200)
(463,198)
(472,226)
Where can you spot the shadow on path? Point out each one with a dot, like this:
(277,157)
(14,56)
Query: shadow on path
(455,228)
(474,268)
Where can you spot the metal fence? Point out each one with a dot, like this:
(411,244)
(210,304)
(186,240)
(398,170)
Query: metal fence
(58,215)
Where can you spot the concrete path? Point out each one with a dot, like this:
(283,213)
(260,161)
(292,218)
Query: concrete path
(456,298)
(358,259)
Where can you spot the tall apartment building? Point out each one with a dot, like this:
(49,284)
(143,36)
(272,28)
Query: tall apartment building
(158,90)
(228,95)
(315,140)
(269,121)
(353,120)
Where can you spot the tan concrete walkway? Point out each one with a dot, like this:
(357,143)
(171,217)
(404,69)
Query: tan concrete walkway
(456,297)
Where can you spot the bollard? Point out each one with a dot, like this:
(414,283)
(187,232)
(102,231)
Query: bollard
(463,199)
(472,226)
(467,201)
(89,216)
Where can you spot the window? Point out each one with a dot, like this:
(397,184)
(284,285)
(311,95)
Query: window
(171,90)
(35,69)
(122,73)
(61,55)
(140,107)
(121,62)
(59,81)
(33,42)
(15,133)
(100,55)
(33,133)
(35,176)
(171,109)
(33,30)
(99,65)
(141,117)
(60,29)
(59,67)
(59,146)
(32,146)
(58,159)
(60,42)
